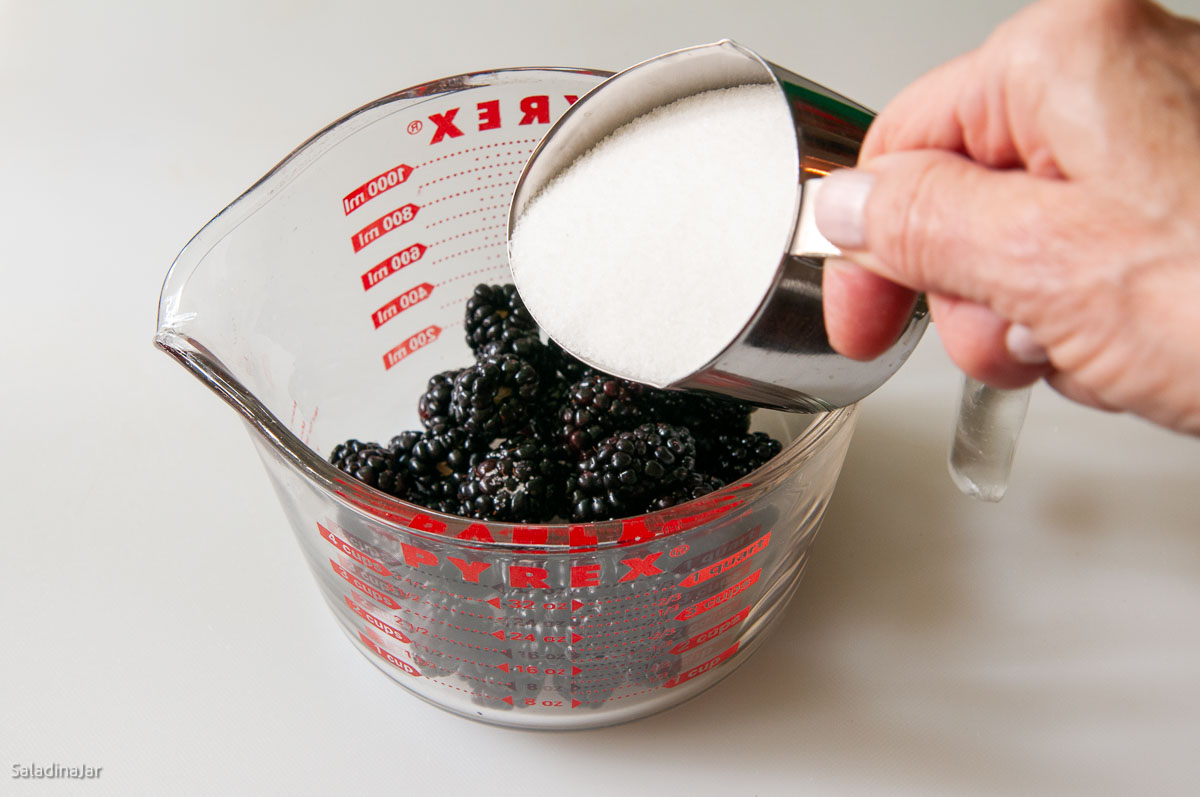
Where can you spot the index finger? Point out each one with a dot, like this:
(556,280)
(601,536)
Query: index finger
(954,108)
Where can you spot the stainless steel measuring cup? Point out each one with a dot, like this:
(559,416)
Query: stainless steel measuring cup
(782,357)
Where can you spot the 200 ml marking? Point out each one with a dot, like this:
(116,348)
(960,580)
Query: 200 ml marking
(413,344)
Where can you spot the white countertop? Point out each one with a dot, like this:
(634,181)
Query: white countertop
(159,622)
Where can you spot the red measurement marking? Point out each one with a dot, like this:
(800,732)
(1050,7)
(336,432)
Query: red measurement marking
(363,586)
(383,225)
(394,633)
(712,633)
(386,268)
(716,600)
(728,563)
(352,552)
(375,186)
(700,669)
(415,343)
(388,657)
(410,298)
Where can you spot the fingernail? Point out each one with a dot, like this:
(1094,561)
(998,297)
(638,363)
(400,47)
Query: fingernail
(841,207)
(1022,347)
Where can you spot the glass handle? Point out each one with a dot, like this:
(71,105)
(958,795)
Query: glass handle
(985,439)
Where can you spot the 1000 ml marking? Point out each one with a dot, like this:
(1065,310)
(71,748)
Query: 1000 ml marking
(375,186)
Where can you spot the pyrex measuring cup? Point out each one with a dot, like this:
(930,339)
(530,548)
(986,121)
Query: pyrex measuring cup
(780,357)
(320,302)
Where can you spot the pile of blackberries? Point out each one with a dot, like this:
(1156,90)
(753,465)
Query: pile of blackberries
(527,433)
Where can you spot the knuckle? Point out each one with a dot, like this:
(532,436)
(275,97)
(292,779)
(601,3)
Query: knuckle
(918,220)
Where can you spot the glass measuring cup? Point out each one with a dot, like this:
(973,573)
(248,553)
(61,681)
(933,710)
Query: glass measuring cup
(319,303)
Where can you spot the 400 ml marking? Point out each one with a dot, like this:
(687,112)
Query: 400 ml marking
(410,298)
(375,186)
(414,344)
(383,225)
(386,268)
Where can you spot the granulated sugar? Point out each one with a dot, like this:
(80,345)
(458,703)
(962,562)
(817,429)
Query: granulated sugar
(651,252)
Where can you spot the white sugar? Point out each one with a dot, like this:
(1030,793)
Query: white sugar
(651,252)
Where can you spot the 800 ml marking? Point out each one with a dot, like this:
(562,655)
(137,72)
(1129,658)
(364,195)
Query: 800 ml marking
(413,296)
(418,341)
(375,186)
(383,225)
(380,271)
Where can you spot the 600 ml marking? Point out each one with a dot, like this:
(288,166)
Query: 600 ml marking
(383,225)
(375,186)
(411,297)
(380,271)
(415,343)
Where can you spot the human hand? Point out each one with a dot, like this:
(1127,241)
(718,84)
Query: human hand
(1044,191)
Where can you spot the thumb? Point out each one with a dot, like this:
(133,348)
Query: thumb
(935,221)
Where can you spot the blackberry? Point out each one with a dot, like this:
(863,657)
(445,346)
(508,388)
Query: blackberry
(373,465)
(707,416)
(694,485)
(491,310)
(596,406)
(527,345)
(437,464)
(521,482)
(494,398)
(434,405)
(735,455)
(699,411)
(630,470)
(571,368)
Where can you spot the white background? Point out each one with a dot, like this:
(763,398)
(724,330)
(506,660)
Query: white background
(157,619)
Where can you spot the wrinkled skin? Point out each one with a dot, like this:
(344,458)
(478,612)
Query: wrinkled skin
(1050,179)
